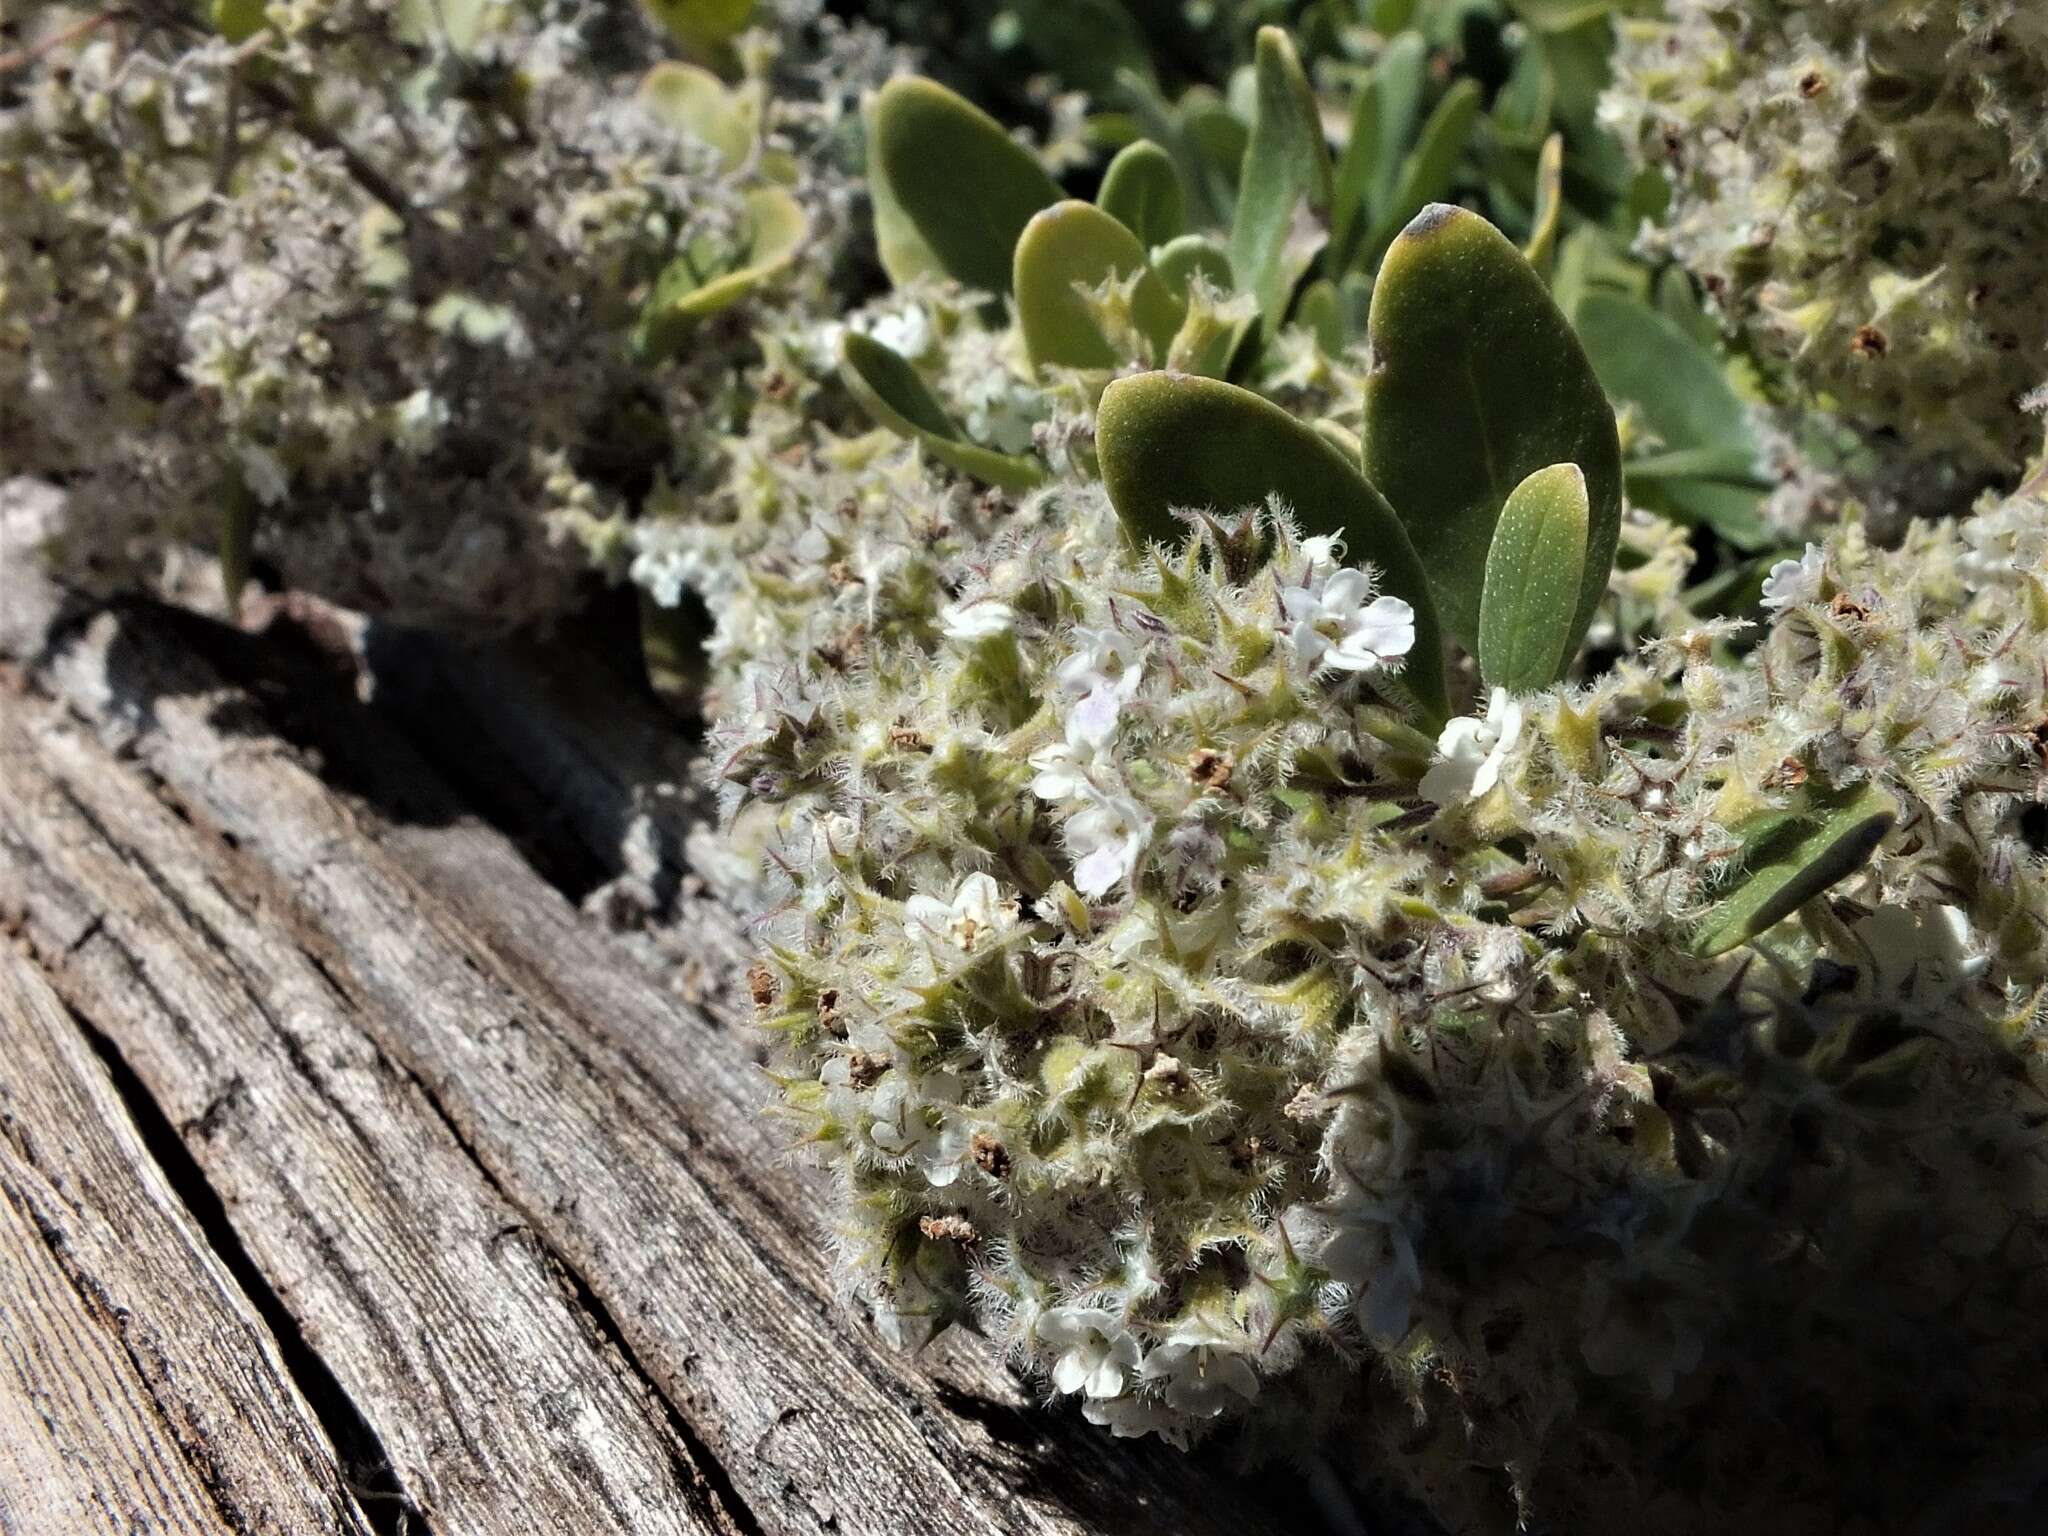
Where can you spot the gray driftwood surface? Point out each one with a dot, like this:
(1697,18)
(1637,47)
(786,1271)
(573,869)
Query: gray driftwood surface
(352,1180)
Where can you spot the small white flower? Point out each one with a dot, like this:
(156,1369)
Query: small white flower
(1370,1251)
(908,333)
(1127,1418)
(1074,768)
(1001,411)
(1338,623)
(422,416)
(909,1113)
(978,619)
(1107,837)
(1064,771)
(1204,1369)
(978,910)
(1093,722)
(1792,582)
(665,568)
(946,1158)
(1474,751)
(1096,1351)
(1100,658)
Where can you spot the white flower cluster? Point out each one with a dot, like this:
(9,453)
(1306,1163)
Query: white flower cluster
(1164,1001)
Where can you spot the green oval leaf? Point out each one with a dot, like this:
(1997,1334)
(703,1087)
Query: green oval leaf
(884,385)
(1141,190)
(695,284)
(1532,581)
(703,25)
(239,20)
(697,104)
(1286,172)
(952,190)
(1476,382)
(1168,441)
(1791,856)
(1065,251)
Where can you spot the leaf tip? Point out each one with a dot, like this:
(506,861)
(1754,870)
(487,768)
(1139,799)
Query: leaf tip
(1431,219)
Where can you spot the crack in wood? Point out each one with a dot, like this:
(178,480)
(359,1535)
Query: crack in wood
(59,1191)
(371,1476)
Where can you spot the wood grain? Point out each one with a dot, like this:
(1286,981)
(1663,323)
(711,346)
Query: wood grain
(139,1391)
(500,1400)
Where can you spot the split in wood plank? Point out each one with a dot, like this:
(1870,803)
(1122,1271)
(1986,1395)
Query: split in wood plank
(139,1390)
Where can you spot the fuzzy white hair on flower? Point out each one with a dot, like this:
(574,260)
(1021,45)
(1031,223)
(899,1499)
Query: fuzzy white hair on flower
(976,619)
(978,910)
(1097,1354)
(1324,553)
(1473,751)
(1337,622)
(1793,582)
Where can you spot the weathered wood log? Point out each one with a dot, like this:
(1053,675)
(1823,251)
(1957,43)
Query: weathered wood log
(620,1127)
(498,1399)
(141,1391)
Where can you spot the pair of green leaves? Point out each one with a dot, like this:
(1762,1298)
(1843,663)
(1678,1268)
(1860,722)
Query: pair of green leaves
(956,196)
(952,190)
(1485,424)
(1390,171)
(1486,488)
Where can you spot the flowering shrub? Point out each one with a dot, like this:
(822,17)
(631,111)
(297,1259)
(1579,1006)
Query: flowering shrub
(1169,1006)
